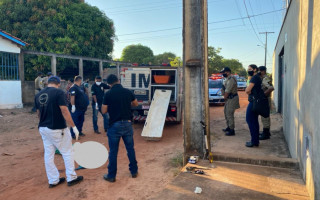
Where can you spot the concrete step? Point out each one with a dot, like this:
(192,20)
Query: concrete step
(257,160)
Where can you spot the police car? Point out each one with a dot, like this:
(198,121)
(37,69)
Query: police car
(242,83)
(215,87)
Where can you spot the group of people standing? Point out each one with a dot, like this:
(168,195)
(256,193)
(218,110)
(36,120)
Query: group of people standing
(56,109)
(259,82)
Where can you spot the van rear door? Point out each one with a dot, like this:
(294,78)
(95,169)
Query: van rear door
(138,81)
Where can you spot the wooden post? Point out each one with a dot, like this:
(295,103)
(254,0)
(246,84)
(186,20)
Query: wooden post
(101,69)
(195,64)
(21,66)
(54,65)
(81,68)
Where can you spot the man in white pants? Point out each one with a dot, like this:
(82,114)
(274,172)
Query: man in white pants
(53,114)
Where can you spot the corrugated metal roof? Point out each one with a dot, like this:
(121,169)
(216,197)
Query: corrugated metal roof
(12,38)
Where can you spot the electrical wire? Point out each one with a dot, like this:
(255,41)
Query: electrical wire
(179,34)
(244,1)
(239,11)
(214,22)
(254,19)
(151,8)
(175,35)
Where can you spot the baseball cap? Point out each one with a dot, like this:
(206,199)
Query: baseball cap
(226,69)
(54,79)
(262,68)
(49,74)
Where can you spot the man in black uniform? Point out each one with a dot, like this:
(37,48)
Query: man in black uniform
(53,113)
(117,102)
(79,103)
(97,91)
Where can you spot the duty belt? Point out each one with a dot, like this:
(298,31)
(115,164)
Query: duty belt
(231,96)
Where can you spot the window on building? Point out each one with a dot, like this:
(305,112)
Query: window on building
(9,67)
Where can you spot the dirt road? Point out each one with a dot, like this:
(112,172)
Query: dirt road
(22,174)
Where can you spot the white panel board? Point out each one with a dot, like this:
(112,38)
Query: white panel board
(153,126)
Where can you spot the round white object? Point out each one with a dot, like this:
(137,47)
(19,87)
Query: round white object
(90,155)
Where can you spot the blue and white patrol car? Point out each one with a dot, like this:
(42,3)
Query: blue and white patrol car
(242,83)
(215,93)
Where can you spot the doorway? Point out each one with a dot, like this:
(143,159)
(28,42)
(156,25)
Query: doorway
(281,80)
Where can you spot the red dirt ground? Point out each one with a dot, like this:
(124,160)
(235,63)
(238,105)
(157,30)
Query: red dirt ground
(22,174)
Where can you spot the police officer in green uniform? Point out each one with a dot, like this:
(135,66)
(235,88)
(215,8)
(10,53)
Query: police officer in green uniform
(231,97)
(267,87)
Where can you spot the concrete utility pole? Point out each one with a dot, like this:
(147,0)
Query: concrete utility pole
(195,62)
(265,47)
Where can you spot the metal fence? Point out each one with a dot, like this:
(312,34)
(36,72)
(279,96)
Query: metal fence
(9,66)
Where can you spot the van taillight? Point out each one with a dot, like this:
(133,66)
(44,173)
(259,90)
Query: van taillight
(173,109)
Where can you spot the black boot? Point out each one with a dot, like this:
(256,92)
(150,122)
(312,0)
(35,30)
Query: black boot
(230,132)
(267,131)
(265,134)
(226,129)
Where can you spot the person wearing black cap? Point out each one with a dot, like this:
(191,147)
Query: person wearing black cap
(97,91)
(117,102)
(231,100)
(53,114)
(267,87)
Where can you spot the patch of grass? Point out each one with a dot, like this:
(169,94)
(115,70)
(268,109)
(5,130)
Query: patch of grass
(177,163)
(177,160)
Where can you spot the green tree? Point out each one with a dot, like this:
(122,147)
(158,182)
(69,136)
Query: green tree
(165,57)
(64,26)
(177,62)
(215,63)
(137,53)
(235,66)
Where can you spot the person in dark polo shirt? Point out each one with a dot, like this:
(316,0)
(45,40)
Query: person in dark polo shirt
(53,113)
(79,103)
(117,102)
(97,91)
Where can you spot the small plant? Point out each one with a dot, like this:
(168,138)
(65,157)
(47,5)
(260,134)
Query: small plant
(177,163)
(177,160)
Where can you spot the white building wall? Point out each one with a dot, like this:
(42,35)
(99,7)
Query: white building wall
(10,94)
(299,37)
(8,46)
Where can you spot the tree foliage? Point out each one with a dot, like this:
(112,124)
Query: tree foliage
(177,62)
(216,62)
(165,57)
(60,26)
(137,53)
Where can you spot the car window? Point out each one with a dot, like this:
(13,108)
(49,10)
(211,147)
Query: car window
(241,80)
(215,84)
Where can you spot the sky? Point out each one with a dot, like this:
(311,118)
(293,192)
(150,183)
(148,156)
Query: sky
(158,25)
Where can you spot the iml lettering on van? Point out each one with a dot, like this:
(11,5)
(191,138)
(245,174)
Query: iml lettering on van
(142,80)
